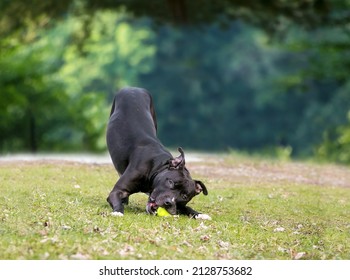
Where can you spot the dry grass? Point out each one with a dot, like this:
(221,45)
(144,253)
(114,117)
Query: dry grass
(261,209)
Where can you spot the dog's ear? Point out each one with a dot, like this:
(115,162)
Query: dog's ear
(170,183)
(178,162)
(200,187)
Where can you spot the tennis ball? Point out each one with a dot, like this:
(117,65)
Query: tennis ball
(162,212)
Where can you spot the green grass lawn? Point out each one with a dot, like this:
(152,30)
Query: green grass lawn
(260,210)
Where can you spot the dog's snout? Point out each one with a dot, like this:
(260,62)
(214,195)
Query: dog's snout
(170,205)
(168,202)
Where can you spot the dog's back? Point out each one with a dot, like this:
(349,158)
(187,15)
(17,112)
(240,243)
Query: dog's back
(132,124)
(134,104)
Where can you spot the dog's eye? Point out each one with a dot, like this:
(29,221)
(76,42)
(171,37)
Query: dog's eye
(184,196)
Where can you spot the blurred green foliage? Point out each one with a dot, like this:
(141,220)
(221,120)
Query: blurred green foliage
(55,93)
(214,87)
(239,88)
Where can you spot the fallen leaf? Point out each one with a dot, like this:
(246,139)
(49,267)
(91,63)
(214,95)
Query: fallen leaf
(186,243)
(224,244)
(79,256)
(201,227)
(299,255)
(45,256)
(43,232)
(283,250)
(96,229)
(65,227)
(127,250)
(204,237)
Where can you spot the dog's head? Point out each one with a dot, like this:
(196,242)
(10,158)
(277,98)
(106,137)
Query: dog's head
(173,187)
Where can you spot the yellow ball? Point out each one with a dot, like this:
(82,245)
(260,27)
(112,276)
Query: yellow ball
(162,212)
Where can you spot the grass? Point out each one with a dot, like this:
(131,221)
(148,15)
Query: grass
(259,209)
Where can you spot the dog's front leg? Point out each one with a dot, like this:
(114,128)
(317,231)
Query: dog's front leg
(188,211)
(124,187)
(115,200)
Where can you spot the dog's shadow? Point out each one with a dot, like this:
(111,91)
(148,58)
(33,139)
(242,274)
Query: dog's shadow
(135,207)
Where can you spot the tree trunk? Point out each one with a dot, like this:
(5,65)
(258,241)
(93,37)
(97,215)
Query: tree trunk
(32,131)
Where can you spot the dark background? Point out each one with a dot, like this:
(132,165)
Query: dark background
(266,77)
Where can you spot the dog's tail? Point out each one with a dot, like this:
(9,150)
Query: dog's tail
(113,107)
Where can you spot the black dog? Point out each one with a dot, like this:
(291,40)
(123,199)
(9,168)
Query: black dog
(143,163)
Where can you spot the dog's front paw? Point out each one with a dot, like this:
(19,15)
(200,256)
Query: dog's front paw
(117,214)
(202,217)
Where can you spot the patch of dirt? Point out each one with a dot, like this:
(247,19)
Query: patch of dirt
(266,172)
(221,168)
